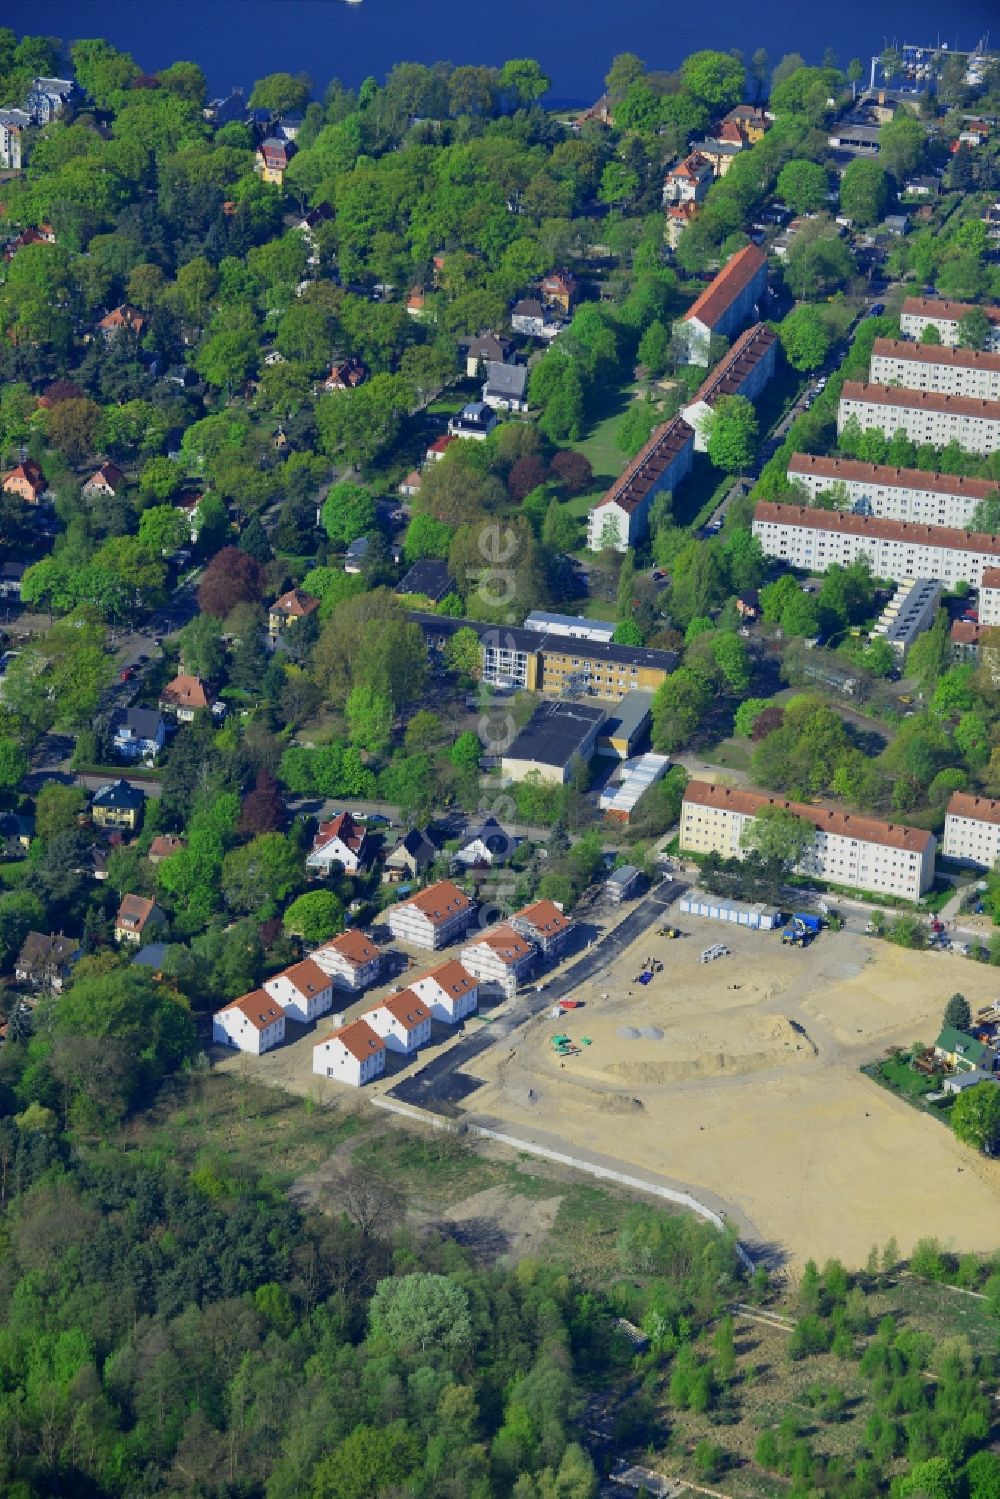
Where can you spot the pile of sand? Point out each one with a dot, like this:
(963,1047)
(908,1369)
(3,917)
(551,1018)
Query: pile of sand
(619,1103)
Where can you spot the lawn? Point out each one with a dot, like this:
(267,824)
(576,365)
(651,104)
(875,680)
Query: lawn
(900,1076)
(606,459)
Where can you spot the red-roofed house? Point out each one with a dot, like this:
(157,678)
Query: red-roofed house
(27,481)
(137,916)
(184,697)
(352,960)
(254,1023)
(107,480)
(433,917)
(273,156)
(347,375)
(355,1055)
(559,289)
(545,924)
(679,216)
(972,830)
(163,846)
(501,958)
(402,1020)
(339,841)
(439,447)
(729,300)
(688,181)
(449,992)
(303,991)
(121,319)
(293,605)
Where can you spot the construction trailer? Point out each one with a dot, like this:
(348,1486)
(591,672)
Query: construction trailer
(802,928)
(758,917)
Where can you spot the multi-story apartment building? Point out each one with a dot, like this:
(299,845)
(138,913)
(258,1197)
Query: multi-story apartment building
(728,302)
(621,519)
(433,917)
(13,126)
(955,372)
(972,830)
(862,853)
(932,312)
(501,959)
(989,598)
(924,415)
(554,663)
(815,539)
(743,371)
(352,961)
(894,493)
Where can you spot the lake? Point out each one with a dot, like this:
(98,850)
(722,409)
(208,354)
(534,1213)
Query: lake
(236,41)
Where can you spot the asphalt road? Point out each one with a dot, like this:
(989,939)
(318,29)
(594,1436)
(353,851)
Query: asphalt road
(443,1083)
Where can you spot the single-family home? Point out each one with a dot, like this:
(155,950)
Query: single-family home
(754,120)
(27,481)
(340,841)
(185,696)
(546,924)
(962,1052)
(137,918)
(355,1054)
(138,734)
(304,991)
(15,834)
(402,1020)
(530,317)
(118,805)
(501,958)
(438,448)
(450,992)
(679,216)
(11,574)
(748,605)
(45,960)
(689,180)
(485,845)
(121,319)
(506,387)
(108,480)
(429,578)
(352,961)
(347,374)
(49,99)
(357,552)
(407,861)
(164,846)
(254,1023)
(410,485)
(433,917)
(273,156)
(293,605)
(475,420)
(416,302)
(187,507)
(485,349)
(559,289)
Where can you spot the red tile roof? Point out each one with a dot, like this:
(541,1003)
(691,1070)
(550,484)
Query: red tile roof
(358,1038)
(354,947)
(734,367)
(735,276)
(902,348)
(185,691)
(406,1008)
(694,165)
(939,307)
(509,946)
(545,916)
(451,977)
(845,523)
(990,578)
(259,1008)
(295,604)
(165,844)
(439,903)
(919,400)
(134,912)
(826,819)
(307,976)
(966,631)
(982,808)
(638,477)
(343,827)
(851,470)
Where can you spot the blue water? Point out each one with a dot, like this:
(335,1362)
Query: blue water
(236,41)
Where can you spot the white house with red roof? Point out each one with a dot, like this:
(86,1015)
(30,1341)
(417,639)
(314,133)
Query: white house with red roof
(449,992)
(339,841)
(254,1023)
(352,960)
(546,925)
(501,958)
(688,181)
(433,917)
(402,1020)
(354,1054)
(108,480)
(185,696)
(303,991)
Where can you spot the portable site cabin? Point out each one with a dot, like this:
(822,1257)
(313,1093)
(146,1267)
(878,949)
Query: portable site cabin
(758,917)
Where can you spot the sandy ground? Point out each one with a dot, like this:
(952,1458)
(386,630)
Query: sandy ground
(741,1078)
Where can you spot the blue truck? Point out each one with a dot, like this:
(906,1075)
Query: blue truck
(802,928)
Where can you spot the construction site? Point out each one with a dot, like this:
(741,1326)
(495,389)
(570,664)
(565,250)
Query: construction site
(723,1059)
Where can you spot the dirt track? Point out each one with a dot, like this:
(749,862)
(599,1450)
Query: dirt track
(752,1090)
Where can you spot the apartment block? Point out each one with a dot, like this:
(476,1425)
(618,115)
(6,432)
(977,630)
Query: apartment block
(501,959)
(728,302)
(933,312)
(972,830)
(449,992)
(894,493)
(621,519)
(924,415)
(989,598)
(352,961)
(815,539)
(911,610)
(743,371)
(432,918)
(956,372)
(862,853)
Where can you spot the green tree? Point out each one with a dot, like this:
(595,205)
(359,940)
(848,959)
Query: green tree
(715,79)
(370,719)
(315,917)
(958,1012)
(731,430)
(901,145)
(747,715)
(679,705)
(975,1117)
(348,512)
(420,1312)
(281,93)
(654,348)
(974,329)
(864,191)
(13,763)
(805,338)
(778,834)
(163,530)
(628,633)
(265,871)
(464,654)
(228,359)
(803,186)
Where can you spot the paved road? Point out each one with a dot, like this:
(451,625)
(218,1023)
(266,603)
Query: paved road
(443,1084)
